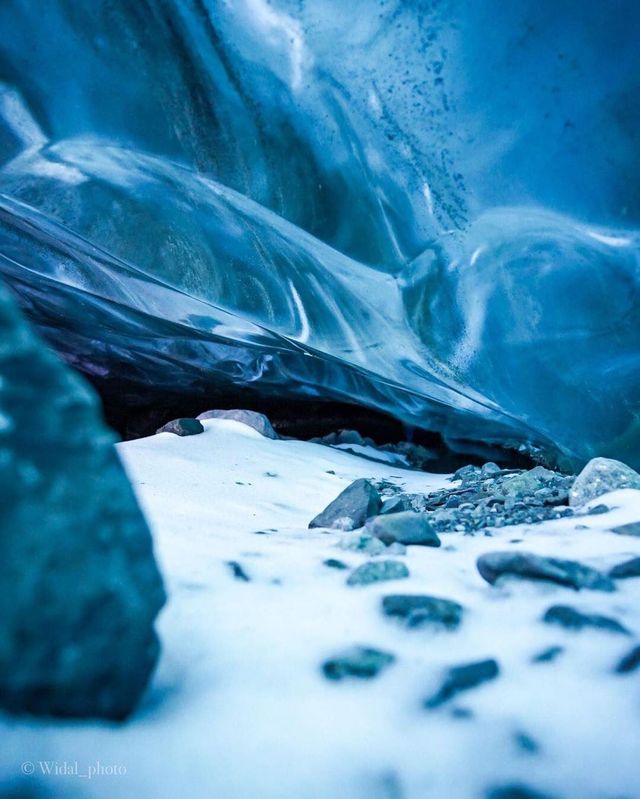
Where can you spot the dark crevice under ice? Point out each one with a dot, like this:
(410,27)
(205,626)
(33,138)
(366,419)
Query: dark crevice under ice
(427,208)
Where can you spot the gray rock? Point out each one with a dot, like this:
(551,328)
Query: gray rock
(419,610)
(630,662)
(516,791)
(377,571)
(238,571)
(351,508)
(463,678)
(548,655)
(258,421)
(359,661)
(404,528)
(600,476)
(526,565)
(333,563)
(361,541)
(80,586)
(630,568)
(573,619)
(628,529)
(182,427)
(396,504)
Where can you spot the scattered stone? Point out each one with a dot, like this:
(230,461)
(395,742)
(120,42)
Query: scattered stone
(407,528)
(419,610)
(80,585)
(396,549)
(630,662)
(600,476)
(351,508)
(463,678)
(628,529)
(573,619)
(182,427)
(237,571)
(462,713)
(516,792)
(548,655)
(376,571)
(258,421)
(496,565)
(598,510)
(333,563)
(359,661)
(526,743)
(630,568)
(361,541)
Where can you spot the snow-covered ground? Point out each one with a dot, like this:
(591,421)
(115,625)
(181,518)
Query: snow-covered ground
(239,707)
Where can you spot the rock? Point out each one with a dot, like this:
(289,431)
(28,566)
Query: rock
(630,662)
(495,565)
(463,678)
(333,563)
(600,476)
(419,610)
(574,619)
(551,488)
(628,529)
(396,504)
(237,571)
(526,743)
(351,508)
(360,541)
(376,571)
(630,568)
(182,427)
(548,655)
(406,528)
(359,661)
(258,421)
(80,586)
(516,791)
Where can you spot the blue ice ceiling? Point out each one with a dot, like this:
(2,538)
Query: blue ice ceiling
(430,208)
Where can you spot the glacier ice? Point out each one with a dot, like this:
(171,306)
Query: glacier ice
(431,208)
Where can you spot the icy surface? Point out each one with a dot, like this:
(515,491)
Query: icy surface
(240,707)
(430,208)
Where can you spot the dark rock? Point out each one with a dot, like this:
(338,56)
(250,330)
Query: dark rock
(630,568)
(516,792)
(396,504)
(351,508)
(419,610)
(182,427)
(359,661)
(377,571)
(495,565)
(237,571)
(548,655)
(80,586)
(574,619)
(526,743)
(630,662)
(258,421)
(628,529)
(598,510)
(600,476)
(404,528)
(333,563)
(463,678)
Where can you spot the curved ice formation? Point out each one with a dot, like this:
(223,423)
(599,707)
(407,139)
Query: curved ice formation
(425,207)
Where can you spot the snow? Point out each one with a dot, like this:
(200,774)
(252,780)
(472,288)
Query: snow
(239,708)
